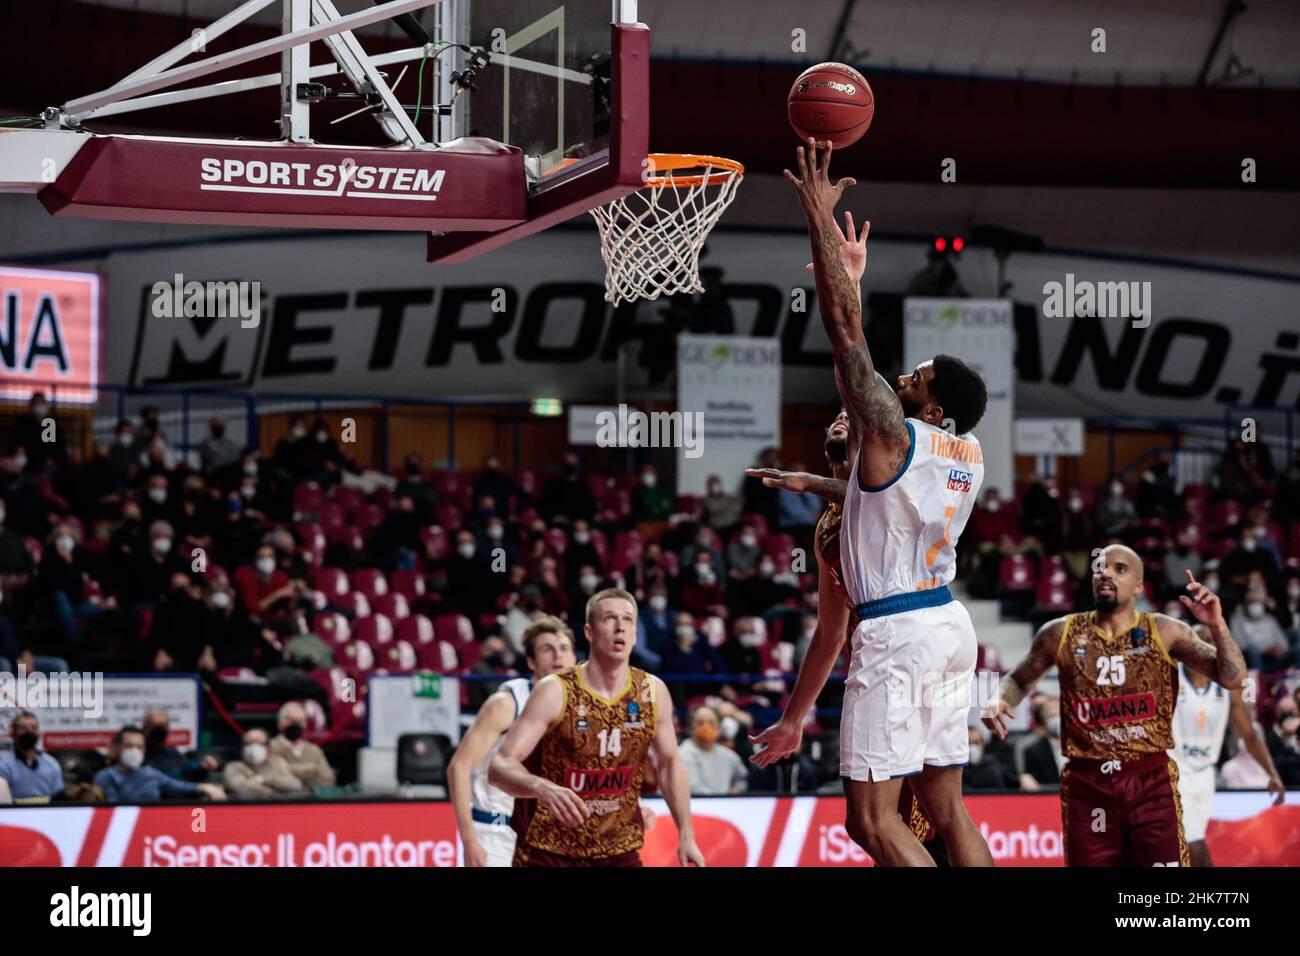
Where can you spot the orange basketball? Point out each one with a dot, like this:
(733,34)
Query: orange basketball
(831,101)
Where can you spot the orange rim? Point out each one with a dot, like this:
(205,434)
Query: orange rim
(722,169)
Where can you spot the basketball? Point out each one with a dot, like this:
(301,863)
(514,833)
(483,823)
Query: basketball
(831,101)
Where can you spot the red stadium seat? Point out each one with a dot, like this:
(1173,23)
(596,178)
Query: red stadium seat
(672,563)
(34,548)
(1054,595)
(370,582)
(627,482)
(332,581)
(1017,574)
(357,657)
(313,539)
(527,480)
(1226,514)
(332,517)
(354,603)
(688,505)
(376,630)
(455,628)
(392,605)
(622,539)
(469,654)
(349,499)
(758,521)
(1052,568)
(400,657)
(557,541)
(1293,548)
(417,629)
(1222,547)
(368,518)
(409,584)
(435,542)
(449,517)
(598,481)
(440,656)
(348,536)
(332,628)
(308,497)
(780,546)
(446,481)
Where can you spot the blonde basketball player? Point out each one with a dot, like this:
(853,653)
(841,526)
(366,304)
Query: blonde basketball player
(482,811)
(909,494)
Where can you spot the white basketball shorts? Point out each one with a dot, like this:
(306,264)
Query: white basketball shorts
(498,841)
(1196,791)
(909,692)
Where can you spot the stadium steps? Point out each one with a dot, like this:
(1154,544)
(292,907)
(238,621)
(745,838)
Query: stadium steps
(1009,638)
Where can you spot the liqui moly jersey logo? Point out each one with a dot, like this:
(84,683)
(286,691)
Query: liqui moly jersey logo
(959,480)
(346,178)
(599,782)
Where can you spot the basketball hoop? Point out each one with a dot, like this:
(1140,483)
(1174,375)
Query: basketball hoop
(651,238)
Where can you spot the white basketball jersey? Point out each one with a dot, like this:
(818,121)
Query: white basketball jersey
(483,795)
(1200,723)
(902,537)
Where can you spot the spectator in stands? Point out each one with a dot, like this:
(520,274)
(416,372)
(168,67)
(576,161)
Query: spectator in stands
(1157,496)
(649,569)
(1256,630)
(265,591)
(158,504)
(704,542)
(1043,757)
(471,580)
(652,503)
(130,781)
(689,654)
(986,769)
(1257,522)
(1040,513)
(654,628)
(758,498)
(15,559)
(701,586)
(581,550)
(290,455)
(29,771)
(397,539)
(217,451)
(167,759)
(498,660)
(1078,536)
(63,572)
(743,554)
(555,600)
(1181,559)
(568,494)
(260,774)
(1282,742)
(183,633)
(1115,513)
(306,760)
(711,768)
(27,441)
(1288,611)
(585,583)
(92,488)
(500,487)
(495,536)
(152,569)
(1245,472)
(721,509)
(762,592)
(995,528)
(322,460)
(1242,771)
(122,457)
(26,510)
(1249,559)
(414,485)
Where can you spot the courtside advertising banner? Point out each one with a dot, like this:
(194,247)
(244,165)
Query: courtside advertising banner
(979,332)
(1021,830)
(49,335)
(107,705)
(729,403)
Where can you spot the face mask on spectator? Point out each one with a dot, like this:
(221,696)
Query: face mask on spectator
(248,490)
(132,758)
(254,754)
(157,495)
(1076,504)
(20,461)
(704,573)
(65,542)
(465,550)
(588,582)
(992,505)
(749,638)
(293,732)
(715,488)
(730,727)
(220,600)
(27,740)
(658,603)
(1255,610)
(749,540)
(648,479)
(125,439)
(1212,584)
(1248,543)
(705,734)
(495,532)
(1054,726)
(250,468)
(1292,590)
(581,537)
(767,569)
(162,545)
(322,437)
(685,630)
(39,409)
(1116,489)
(298,431)
(265,566)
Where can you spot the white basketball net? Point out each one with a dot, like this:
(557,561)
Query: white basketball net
(651,239)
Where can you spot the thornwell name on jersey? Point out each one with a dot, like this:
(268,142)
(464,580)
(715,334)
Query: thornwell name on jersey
(346,178)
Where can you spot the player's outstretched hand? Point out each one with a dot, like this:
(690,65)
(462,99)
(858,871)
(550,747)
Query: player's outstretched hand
(688,853)
(1277,788)
(796,481)
(816,193)
(1203,603)
(853,248)
(565,805)
(778,742)
(997,715)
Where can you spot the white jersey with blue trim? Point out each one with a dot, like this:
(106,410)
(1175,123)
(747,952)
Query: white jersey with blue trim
(483,795)
(901,537)
(1200,724)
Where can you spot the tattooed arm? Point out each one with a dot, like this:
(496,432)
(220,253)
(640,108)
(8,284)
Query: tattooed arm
(874,409)
(1221,661)
(828,489)
(1040,659)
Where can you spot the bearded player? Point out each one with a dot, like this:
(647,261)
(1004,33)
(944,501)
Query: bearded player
(585,735)
(482,811)
(836,621)
(910,490)
(1119,686)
